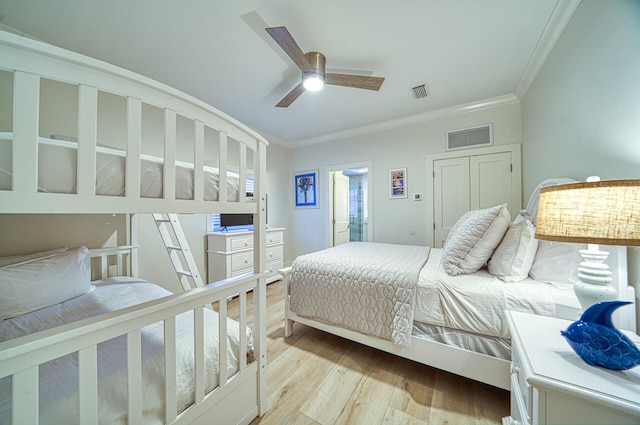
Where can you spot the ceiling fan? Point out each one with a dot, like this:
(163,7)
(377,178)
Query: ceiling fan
(312,65)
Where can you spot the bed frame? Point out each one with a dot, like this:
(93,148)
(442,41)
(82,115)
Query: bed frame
(238,399)
(480,367)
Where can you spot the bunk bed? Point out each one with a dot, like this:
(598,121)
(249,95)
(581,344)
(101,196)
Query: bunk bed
(80,136)
(449,314)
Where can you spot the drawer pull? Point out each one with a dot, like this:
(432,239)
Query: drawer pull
(514,369)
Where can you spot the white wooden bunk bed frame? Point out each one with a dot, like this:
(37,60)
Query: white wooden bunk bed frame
(239,398)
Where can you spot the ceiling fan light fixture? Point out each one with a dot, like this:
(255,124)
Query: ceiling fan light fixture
(313,81)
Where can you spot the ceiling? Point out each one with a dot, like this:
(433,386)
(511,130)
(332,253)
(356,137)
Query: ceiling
(465,51)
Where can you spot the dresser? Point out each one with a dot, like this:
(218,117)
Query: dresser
(230,254)
(550,384)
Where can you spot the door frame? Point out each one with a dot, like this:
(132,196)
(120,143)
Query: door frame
(328,213)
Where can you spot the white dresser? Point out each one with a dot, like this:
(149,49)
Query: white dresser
(550,384)
(230,254)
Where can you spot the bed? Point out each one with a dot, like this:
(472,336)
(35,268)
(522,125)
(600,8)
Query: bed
(444,307)
(80,136)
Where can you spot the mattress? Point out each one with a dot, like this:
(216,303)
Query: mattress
(477,302)
(57,165)
(58,378)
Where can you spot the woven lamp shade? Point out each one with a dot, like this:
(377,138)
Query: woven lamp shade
(604,212)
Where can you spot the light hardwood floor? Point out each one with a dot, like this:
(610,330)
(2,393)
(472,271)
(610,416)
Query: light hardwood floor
(317,378)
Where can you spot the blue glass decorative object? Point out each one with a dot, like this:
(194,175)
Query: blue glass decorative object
(598,342)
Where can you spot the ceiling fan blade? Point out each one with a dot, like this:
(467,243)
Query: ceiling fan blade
(355,81)
(291,96)
(284,39)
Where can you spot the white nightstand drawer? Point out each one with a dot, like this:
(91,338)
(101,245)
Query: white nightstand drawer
(241,259)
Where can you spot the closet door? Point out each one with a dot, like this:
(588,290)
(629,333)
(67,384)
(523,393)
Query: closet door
(471,179)
(490,181)
(451,195)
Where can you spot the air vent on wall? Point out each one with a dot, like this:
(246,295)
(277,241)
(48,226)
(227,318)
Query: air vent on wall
(471,137)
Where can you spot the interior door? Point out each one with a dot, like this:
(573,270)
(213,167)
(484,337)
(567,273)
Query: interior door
(451,195)
(490,177)
(340,209)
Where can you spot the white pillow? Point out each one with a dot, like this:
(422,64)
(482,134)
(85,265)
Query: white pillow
(7,261)
(512,259)
(43,282)
(556,262)
(473,238)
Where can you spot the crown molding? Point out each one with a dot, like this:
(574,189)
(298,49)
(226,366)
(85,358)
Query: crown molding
(410,120)
(557,21)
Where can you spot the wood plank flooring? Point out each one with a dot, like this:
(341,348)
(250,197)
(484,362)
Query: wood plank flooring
(316,378)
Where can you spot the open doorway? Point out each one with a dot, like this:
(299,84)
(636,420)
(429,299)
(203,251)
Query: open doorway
(349,203)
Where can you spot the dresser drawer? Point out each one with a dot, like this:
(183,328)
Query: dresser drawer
(241,242)
(274,238)
(520,390)
(241,260)
(274,253)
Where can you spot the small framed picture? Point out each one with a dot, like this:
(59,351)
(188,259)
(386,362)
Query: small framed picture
(398,183)
(305,187)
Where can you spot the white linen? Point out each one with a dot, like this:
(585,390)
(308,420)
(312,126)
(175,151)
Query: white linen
(58,378)
(512,259)
(363,286)
(477,302)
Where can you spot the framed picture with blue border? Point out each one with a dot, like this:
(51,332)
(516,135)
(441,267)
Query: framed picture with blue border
(305,189)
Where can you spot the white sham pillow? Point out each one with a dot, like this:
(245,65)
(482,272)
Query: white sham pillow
(512,259)
(556,262)
(473,238)
(42,282)
(7,261)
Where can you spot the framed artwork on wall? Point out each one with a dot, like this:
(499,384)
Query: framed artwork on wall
(398,183)
(305,189)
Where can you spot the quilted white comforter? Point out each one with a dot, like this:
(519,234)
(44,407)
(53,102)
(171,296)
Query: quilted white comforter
(366,287)
(58,378)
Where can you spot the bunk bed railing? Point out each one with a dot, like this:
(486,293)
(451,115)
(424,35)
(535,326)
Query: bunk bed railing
(30,61)
(21,357)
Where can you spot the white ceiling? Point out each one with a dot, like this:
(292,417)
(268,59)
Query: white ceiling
(466,51)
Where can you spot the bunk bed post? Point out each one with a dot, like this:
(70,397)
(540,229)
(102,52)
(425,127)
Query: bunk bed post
(260,264)
(26,101)
(132,240)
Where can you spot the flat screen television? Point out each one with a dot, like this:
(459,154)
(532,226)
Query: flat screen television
(227,220)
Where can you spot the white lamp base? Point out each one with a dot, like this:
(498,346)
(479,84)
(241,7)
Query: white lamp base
(594,279)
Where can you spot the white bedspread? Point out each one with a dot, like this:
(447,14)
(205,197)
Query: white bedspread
(477,302)
(366,287)
(58,378)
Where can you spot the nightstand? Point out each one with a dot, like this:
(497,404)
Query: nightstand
(550,384)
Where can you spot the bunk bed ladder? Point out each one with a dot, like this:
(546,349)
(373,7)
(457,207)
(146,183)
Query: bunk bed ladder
(178,248)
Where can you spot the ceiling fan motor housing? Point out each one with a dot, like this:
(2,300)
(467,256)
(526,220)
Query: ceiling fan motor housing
(317,62)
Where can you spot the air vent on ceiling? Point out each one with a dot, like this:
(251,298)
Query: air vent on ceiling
(471,137)
(420,92)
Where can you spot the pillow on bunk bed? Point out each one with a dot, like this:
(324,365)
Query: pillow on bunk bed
(512,259)
(7,261)
(556,262)
(42,282)
(473,238)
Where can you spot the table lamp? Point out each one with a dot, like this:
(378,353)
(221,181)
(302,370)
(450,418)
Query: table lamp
(594,212)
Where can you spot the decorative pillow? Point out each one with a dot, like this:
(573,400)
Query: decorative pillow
(512,259)
(556,262)
(473,238)
(43,282)
(7,261)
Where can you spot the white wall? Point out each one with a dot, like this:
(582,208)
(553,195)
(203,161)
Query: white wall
(581,115)
(405,146)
